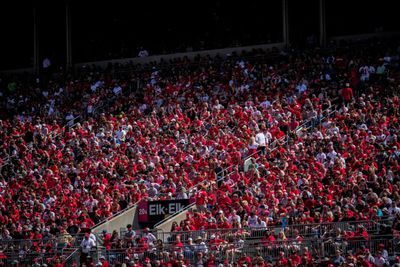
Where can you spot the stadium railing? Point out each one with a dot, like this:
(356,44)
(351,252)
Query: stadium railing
(315,230)
(233,251)
(29,258)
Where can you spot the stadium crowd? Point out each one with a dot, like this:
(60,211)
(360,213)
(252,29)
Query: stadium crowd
(191,124)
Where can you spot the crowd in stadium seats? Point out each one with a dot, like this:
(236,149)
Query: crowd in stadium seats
(345,170)
(194,123)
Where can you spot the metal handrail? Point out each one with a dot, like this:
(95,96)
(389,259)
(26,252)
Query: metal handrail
(289,228)
(70,256)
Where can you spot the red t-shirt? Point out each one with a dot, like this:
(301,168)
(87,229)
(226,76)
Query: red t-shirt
(347,93)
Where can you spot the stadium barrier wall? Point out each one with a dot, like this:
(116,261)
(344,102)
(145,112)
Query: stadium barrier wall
(359,37)
(128,216)
(166,57)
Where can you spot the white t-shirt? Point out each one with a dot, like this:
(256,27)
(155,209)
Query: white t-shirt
(121,135)
(90,204)
(117,90)
(143,53)
(261,139)
(252,221)
(262,224)
(379,261)
(150,238)
(46,63)
(394,210)
(218,106)
(87,245)
(321,157)
(332,155)
(233,218)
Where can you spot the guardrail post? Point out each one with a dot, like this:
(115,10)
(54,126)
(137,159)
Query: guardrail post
(160,234)
(370,246)
(321,248)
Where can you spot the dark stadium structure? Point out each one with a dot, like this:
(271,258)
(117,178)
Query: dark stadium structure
(207,133)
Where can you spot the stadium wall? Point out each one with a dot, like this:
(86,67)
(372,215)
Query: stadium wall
(129,216)
(190,55)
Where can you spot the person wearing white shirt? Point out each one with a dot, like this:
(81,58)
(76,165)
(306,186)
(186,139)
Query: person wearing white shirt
(333,130)
(70,119)
(152,191)
(260,223)
(120,134)
(321,157)
(332,154)
(143,53)
(217,105)
(252,220)
(49,201)
(143,107)
(393,210)
(46,63)
(317,134)
(200,246)
(365,72)
(301,87)
(265,104)
(182,194)
(91,203)
(149,237)
(370,137)
(379,260)
(117,90)
(261,140)
(343,110)
(234,217)
(86,246)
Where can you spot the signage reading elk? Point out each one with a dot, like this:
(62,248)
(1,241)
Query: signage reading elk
(155,211)
(165,208)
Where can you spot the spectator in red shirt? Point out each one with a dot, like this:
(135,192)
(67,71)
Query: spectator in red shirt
(347,93)
(104,262)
